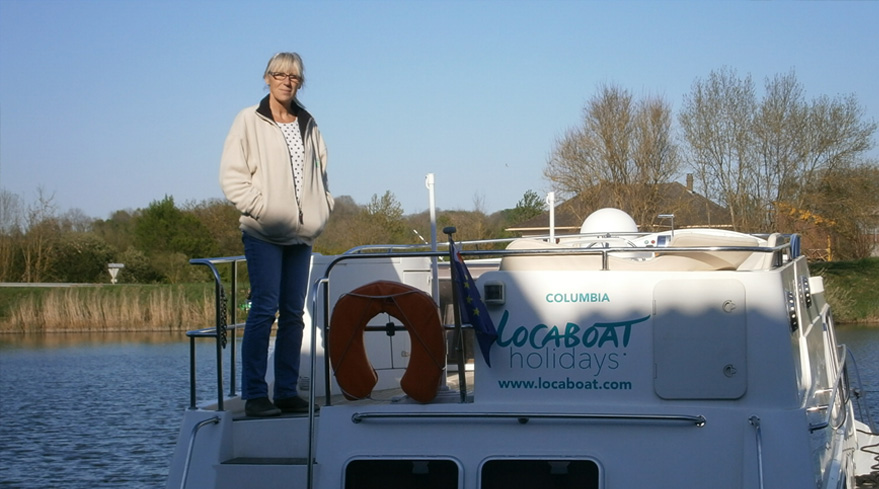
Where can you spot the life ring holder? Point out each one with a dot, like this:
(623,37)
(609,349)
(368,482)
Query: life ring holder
(419,314)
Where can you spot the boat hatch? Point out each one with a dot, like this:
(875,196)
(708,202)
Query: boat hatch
(539,474)
(700,346)
(402,474)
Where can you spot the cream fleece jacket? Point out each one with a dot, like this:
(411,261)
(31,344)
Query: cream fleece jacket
(256,175)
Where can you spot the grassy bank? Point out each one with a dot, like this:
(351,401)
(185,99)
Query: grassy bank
(852,289)
(106,308)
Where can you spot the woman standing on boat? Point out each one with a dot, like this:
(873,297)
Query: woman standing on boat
(274,170)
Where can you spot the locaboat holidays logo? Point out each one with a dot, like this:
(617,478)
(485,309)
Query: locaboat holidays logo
(592,349)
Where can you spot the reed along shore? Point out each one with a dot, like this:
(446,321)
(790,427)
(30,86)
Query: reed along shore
(106,308)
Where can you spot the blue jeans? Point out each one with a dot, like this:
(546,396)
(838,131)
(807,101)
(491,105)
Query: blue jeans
(278,284)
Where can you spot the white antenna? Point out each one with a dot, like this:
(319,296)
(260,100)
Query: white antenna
(431,205)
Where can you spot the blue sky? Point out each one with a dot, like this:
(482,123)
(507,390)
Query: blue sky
(112,104)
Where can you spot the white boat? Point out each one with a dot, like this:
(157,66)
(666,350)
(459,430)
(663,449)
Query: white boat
(686,358)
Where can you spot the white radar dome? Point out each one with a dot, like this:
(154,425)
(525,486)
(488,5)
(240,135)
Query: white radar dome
(608,220)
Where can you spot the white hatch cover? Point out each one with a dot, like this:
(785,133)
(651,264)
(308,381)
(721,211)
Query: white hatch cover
(700,339)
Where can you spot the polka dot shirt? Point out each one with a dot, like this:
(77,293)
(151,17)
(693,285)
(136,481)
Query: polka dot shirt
(297,153)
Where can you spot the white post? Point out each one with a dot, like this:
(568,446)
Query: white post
(550,201)
(429,182)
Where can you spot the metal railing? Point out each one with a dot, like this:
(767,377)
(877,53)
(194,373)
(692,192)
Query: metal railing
(836,410)
(223,331)
(754,420)
(195,429)
(697,420)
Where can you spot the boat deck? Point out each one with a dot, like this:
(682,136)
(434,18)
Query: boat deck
(378,397)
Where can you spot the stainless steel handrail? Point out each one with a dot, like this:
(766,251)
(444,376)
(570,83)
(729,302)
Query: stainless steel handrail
(758,433)
(195,429)
(318,286)
(840,385)
(524,417)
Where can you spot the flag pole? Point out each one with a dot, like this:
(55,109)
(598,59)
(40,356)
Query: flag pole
(456,307)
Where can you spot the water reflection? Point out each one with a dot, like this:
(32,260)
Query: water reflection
(61,340)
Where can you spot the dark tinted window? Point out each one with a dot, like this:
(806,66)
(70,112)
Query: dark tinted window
(401,474)
(539,474)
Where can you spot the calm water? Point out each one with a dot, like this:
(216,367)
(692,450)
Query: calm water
(89,412)
(863,341)
(84,412)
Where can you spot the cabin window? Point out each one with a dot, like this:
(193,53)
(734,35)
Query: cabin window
(401,474)
(539,474)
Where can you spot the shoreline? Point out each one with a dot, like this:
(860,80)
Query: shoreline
(852,289)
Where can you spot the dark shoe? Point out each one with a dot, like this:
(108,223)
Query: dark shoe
(261,407)
(294,405)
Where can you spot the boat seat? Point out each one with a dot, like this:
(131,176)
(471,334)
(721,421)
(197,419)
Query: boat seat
(720,260)
(759,260)
(547,261)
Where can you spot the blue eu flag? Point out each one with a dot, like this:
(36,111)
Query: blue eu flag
(473,310)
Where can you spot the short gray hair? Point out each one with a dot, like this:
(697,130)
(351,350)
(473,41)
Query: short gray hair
(286,63)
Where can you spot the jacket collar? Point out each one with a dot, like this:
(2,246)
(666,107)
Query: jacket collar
(299,111)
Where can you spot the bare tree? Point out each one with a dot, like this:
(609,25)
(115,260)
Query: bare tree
(598,151)
(11,212)
(716,124)
(801,143)
(624,147)
(655,158)
(76,221)
(752,155)
(836,139)
(779,130)
(11,218)
(40,238)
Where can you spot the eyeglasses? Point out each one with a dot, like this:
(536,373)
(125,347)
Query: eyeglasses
(282,76)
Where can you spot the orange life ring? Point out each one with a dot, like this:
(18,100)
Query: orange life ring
(418,313)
